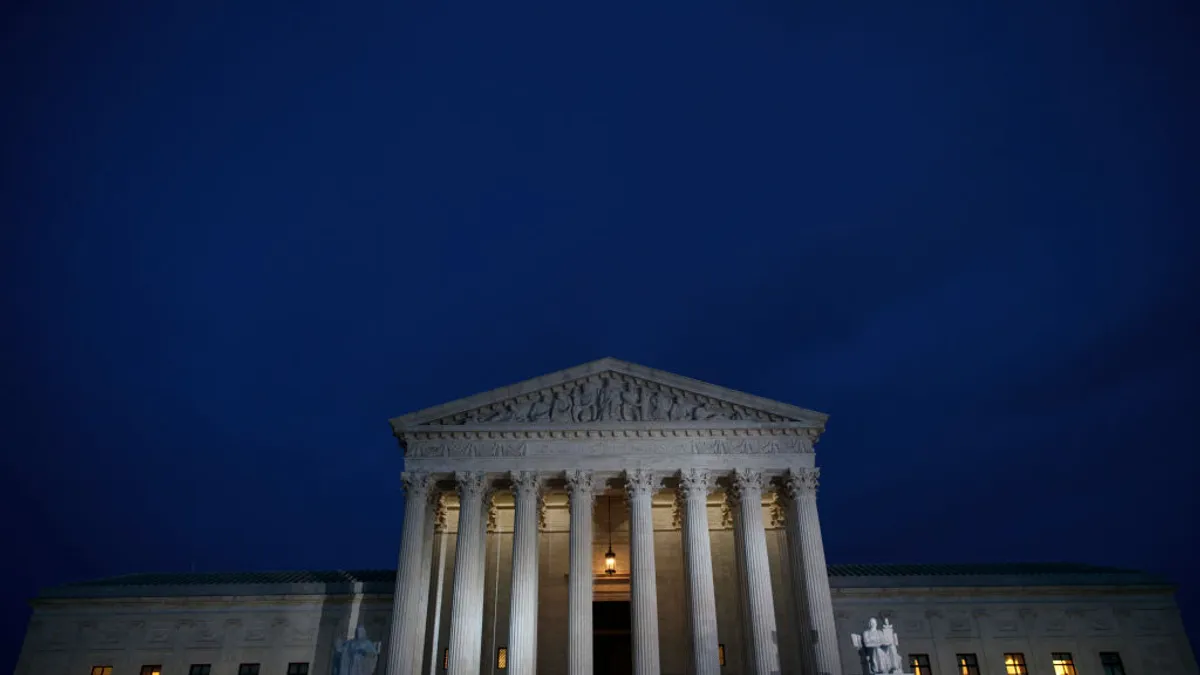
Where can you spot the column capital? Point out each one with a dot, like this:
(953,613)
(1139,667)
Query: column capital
(800,482)
(743,483)
(581,484)
(641,482)
(695,483)
(416,482)
(471,484)
(526,483)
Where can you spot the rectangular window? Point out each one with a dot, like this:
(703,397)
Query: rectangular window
(297,669)
(101,670)
(151,670)
(1063,663)
(1014,664)
(200,669)
(721,655)
(968,664)
(1112,663)
(502,658)
(248,669)
(919,663)
(446,659)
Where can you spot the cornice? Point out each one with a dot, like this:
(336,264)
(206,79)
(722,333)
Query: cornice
(874,592)
(580,443)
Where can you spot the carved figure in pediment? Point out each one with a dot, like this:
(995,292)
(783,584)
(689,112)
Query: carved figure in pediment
(561,409)
(680,410)
(539,408)
(655,405)
(631,403)
(585,399)
(702,412)
(610,399)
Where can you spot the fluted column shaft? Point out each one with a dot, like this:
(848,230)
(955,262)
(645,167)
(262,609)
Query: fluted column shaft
(764,650)
(417,486)
(640,487)
(581,488)
(799,610)
(694,487)
(808,555)
(466,609)
(421,618)
(522,624)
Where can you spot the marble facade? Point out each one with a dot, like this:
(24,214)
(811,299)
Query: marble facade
(707,496)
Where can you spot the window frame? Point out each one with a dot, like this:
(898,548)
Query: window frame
(152,669)
(1018,665)
(102,670)
(195,669)
(967,663)
(1063,663)
(1111,663)
(920,664)
(297,668)
(249,669)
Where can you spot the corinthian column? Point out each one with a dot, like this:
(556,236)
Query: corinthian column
(640,486)
(694,486)
(764,652)
(807,552)
(522,624)
(466,609)
(581,490)
(434,514)
(417,486)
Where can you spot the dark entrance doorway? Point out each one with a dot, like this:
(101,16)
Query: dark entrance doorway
(611,626)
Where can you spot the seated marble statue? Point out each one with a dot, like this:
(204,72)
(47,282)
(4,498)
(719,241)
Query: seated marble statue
(357,656)
(880,648)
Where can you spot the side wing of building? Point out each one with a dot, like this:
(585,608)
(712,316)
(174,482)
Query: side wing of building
(951,620)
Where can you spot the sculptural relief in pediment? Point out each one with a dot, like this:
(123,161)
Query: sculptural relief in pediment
(608,397)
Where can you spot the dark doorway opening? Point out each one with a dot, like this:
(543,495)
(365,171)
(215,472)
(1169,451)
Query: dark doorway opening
(611,624)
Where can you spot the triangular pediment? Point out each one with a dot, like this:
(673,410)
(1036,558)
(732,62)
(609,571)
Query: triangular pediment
(608,392)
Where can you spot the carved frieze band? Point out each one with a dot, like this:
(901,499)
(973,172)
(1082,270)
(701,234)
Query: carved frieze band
(608,397)
(745,445)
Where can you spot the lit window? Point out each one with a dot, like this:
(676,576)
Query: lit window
(919,664)
(151,670)
(1063,664)
(101,670)
(1112,663)
(297,669)
(248,669)
(1014,664)
(200,669)
(446,659)
(721,655)
(502,658)
(968,664)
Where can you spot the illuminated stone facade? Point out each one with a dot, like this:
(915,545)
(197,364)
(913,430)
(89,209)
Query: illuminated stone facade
(706,496)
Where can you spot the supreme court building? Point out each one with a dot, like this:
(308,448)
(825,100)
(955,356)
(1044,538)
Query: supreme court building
(613,519)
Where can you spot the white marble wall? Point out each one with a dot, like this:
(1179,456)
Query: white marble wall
(68,637)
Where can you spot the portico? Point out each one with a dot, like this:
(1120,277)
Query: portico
(652,443)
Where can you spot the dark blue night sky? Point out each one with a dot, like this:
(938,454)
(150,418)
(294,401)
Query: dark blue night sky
(238,237)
